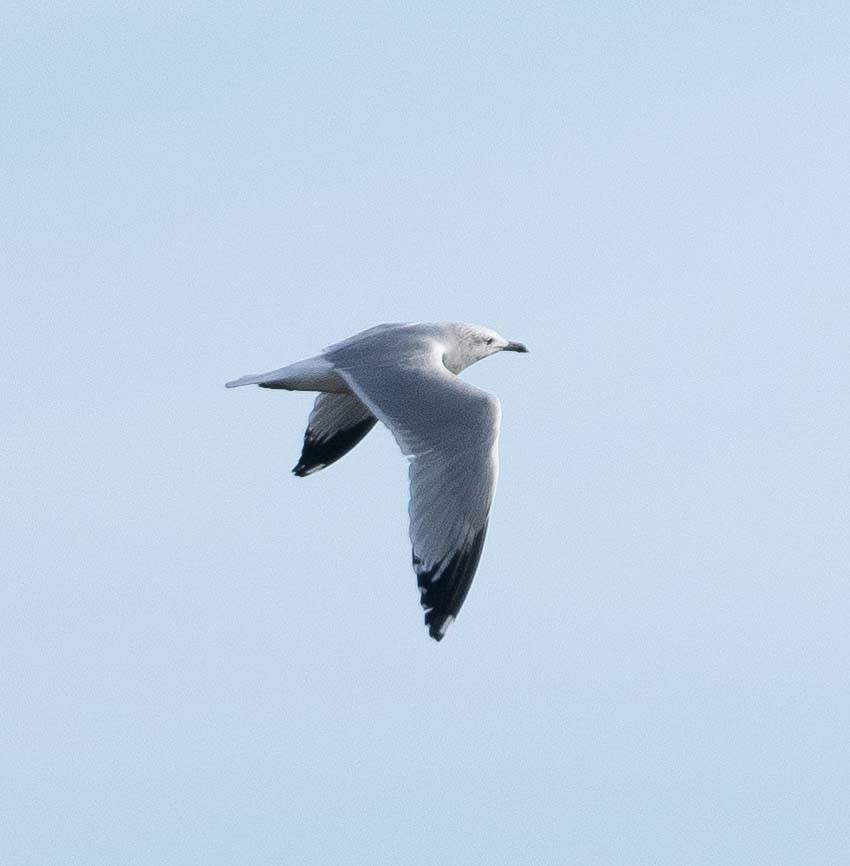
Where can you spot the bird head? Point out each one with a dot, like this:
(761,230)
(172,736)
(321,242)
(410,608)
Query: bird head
(473,343)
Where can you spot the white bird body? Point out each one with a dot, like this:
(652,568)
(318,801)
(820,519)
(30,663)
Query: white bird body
(405,376)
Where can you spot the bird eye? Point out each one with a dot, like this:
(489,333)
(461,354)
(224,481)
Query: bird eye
(488,340)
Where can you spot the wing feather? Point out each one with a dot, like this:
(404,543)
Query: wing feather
(449,431)
(337,423)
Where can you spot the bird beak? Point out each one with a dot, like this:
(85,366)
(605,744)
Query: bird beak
(515,347)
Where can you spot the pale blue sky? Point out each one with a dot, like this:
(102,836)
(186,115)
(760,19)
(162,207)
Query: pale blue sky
(208,661)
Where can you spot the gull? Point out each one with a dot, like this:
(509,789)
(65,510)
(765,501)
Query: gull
(405,375)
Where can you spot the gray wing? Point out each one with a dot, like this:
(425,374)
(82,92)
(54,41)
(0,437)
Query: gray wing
(337,423)
(449,431)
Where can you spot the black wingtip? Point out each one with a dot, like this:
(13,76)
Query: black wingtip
(444,586)
(317,453)
(437,624)
(304,468)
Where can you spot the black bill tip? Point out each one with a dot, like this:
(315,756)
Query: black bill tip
(515,347)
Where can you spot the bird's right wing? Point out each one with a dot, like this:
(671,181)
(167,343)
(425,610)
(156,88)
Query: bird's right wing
(337,423)
(449,431)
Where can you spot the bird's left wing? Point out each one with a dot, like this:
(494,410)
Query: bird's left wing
(449,431)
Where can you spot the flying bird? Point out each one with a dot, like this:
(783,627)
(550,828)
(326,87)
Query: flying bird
(406,377)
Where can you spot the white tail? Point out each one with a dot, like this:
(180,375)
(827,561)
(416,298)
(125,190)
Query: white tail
(313,374)
(256,379)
